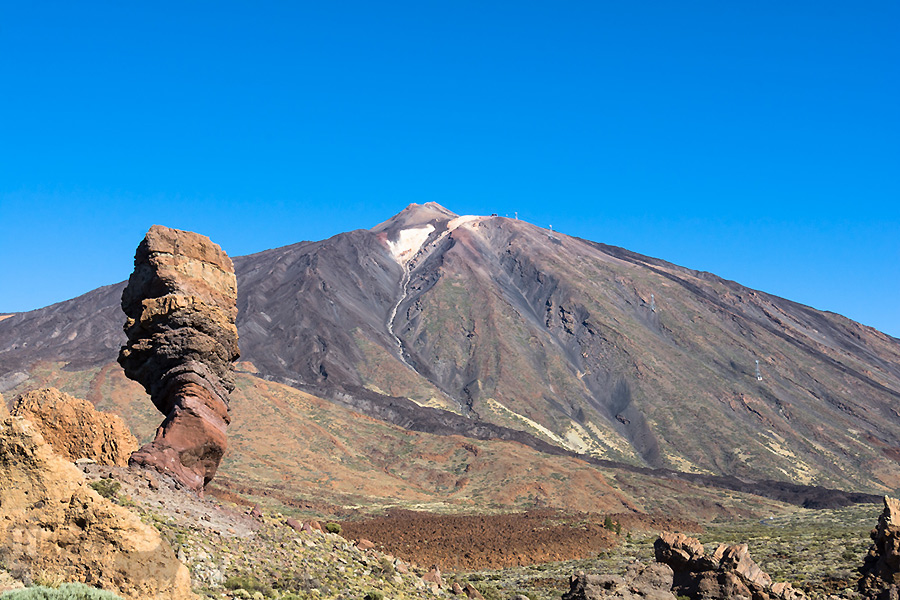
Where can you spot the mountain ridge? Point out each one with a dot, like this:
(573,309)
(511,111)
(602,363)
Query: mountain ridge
(592,348)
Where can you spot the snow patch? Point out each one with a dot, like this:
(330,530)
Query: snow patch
(409,242)
(462,221)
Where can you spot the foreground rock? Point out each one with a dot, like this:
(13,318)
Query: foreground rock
(653,582)
(881,569)
(54,526)
(729,572)
(75,429)
(182,343)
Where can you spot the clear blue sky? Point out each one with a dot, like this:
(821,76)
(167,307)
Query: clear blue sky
(756,140)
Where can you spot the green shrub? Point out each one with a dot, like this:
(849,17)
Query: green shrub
(374,595)
(67,591)
(488,591)
(387,566)
(333,527)
(108,488)
(248,583)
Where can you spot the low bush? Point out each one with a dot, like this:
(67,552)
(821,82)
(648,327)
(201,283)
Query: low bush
(67,591)
(108,488)
(333,527)
(249,583)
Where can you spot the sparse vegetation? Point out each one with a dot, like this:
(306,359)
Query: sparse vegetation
(333,528)
(66,591)
(108,488)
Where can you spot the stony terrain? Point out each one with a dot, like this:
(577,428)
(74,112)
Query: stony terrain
(323,454)
(55,528)
(235,549)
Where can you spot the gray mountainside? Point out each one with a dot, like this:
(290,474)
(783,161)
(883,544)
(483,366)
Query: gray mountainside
(492,327)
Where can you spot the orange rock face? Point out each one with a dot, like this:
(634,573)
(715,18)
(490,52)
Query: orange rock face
(75,428)
(52,523)
(181,304)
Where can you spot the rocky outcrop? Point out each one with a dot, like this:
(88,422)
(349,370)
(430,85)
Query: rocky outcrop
(729,572)
(75,429)
(653,582)
(4,412)
(182,343)
(881,569)
(53,525)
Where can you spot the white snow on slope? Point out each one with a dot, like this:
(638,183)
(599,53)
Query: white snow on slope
(462,221)
(409,242)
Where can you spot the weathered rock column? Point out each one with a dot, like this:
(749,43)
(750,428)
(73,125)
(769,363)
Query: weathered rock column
(181,304)
(881,569)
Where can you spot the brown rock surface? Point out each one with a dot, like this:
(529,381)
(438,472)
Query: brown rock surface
(52,523)
(881,569)
(653,582)
(182,343)
(729,572)
(75,429)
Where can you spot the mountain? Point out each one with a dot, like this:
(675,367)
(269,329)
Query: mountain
(491,327)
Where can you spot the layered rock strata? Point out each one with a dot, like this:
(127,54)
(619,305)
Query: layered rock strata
(182,343)
(881,569)
(729,572)
(75,429)
(54,526)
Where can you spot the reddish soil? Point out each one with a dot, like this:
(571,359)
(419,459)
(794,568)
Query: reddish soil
(472,542)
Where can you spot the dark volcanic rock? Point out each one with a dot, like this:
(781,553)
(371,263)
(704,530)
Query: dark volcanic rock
(881,570)
(182,343)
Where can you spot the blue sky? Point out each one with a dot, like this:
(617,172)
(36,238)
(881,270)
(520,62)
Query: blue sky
(756,140)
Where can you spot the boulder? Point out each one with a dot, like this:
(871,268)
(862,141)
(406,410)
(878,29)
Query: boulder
(75,429)
(434,577)
(294,524)
(53,524)
(729,572)
(180,304)
(881,567)
(653,582)
(364,544)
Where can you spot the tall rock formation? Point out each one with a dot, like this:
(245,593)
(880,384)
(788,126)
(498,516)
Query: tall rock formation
(75,428)
(729,572)
(881,569)
(182,343)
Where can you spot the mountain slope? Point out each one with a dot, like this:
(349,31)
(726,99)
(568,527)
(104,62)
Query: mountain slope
(502,326)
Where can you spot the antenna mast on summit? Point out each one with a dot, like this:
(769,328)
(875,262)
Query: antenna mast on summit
(758,374)
(517,215)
